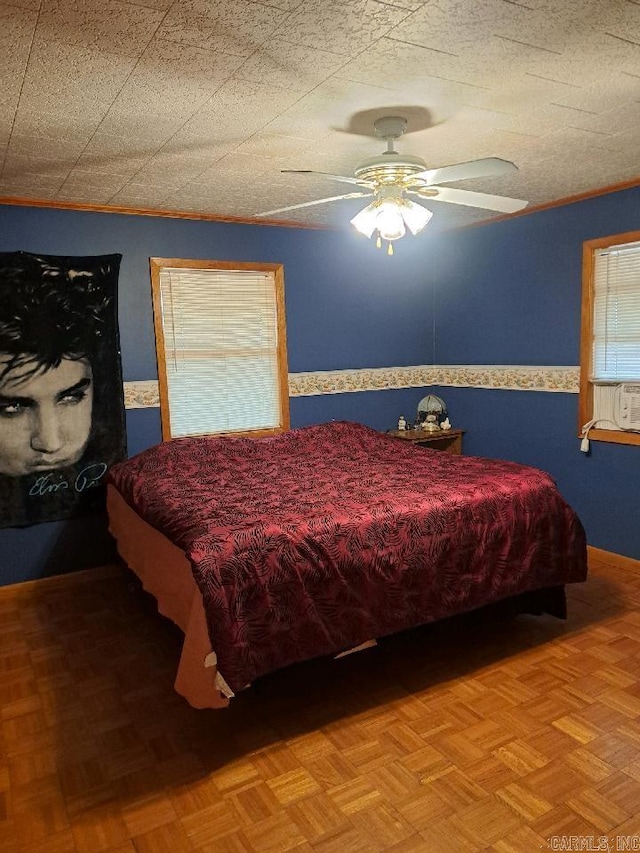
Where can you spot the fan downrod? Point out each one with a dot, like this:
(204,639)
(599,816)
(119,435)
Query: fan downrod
(389,167)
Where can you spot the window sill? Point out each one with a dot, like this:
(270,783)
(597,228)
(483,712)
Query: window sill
(614,436)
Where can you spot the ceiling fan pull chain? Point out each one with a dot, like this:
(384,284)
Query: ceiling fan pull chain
(390,249)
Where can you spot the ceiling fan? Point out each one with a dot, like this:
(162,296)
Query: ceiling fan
(391,177)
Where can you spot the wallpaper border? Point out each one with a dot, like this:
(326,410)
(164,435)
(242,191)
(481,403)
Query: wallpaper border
(144,394)
(141,394)
(564,379)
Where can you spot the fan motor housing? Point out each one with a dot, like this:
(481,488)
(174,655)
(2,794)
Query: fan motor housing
(389,168)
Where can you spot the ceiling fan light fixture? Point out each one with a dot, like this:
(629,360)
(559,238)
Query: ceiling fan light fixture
(383,216)
(415,216)
(365,221)
(391,216)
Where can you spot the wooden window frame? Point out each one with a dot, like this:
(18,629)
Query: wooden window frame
(158,264)
(585,406)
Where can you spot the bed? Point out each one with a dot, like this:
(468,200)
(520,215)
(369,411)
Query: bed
(272,551)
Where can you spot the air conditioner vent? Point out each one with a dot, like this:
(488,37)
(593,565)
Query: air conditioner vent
(630,406)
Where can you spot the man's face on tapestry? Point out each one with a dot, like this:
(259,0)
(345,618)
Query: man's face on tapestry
(45,415)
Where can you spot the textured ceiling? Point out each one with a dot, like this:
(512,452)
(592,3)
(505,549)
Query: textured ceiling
(196,105)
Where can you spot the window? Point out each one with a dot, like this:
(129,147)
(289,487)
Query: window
(221,344)
(610,343)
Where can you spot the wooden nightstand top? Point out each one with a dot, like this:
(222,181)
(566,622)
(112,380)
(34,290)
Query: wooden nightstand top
(449,440)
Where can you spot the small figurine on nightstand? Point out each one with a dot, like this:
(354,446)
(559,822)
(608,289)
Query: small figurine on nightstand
(402,424)
(446,424)
(430,423)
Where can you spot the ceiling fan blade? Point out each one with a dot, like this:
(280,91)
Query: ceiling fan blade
(312,203)
(343,178)
(460,171)
(500,203)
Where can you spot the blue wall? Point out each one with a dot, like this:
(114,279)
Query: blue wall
(509,293)
(502,293)
(348,306)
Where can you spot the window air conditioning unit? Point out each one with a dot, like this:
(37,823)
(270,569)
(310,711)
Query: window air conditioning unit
(629,401)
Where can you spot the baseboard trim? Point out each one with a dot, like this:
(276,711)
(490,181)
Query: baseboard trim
(611,559)
(66,579)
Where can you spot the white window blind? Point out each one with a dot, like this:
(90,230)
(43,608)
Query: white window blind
(616,314)
(220,330)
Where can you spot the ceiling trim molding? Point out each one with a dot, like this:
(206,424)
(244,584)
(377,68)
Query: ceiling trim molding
(287,223)
(150,211)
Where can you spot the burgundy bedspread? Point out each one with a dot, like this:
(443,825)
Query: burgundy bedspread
(316,540)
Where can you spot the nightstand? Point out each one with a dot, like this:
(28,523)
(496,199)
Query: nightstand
(448,440)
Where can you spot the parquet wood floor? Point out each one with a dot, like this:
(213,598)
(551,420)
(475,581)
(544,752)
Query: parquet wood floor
(475,734)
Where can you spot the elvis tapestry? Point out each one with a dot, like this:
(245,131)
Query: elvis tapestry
(61,395)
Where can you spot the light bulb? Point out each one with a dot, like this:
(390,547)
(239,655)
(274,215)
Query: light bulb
(389,221)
